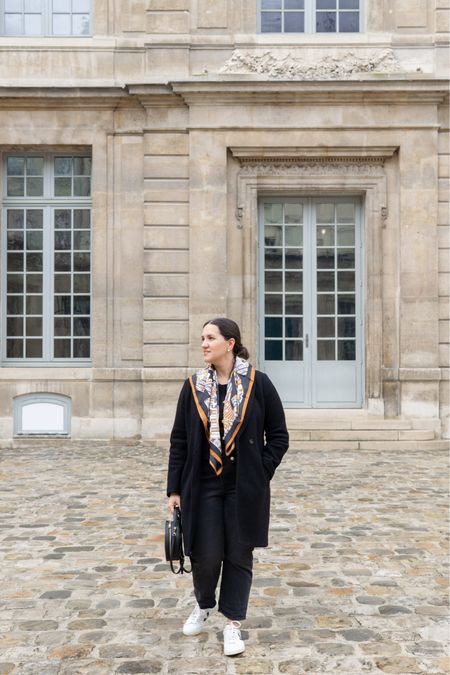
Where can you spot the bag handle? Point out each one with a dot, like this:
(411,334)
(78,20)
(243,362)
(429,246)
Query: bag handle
(176,522)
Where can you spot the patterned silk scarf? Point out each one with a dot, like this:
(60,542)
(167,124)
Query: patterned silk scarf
(205,389)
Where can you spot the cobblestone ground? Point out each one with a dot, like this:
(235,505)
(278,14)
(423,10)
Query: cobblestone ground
(355,580)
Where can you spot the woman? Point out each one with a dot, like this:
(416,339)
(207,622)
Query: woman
(228,438)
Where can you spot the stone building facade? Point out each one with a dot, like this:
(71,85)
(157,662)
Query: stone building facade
(282,162)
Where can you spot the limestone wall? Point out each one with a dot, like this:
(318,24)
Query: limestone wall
(444,269)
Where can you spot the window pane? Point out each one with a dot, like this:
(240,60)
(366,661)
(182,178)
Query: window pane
(273,350)
(63,187)
(34,304)
(274,327)
(63,218)
(81,304)
(326,22)
(34,219)
(14,349)
(325,235)
(346,235)
(271,22)
(325,281)
(293,235)
(348,4)
(346,258)
(81,349)
(82,218)
(81,262)
(294,304)
(63,166)
(294,4)
(62,6)
(346,281)
(83,6)
(34,240)
(273,304)
(35,166)
(81,325)
(294,350)
(346,304)
(63,240)
(325,304)
(13,24)
(325,4)
(82,166)
(325,327)
(81,186)
(33,25)
(273,281)
(325,213)
(273,258)
(294,258)
(293,281)
(15,240)
(33,349)
(273,235)
(80,24)
(62,283)
(15,187)
(293,213)
(34,283)
(62,24)
(346,350)
(62,262)
(15,219)
(81,283)
(325,350)
(273,213)
(325,258)
(34,326)
(349,22)
(346,327)
(15,262)
(33,6)
(15,166)
(62,349)
(14,326)
(35,186)
(294,22)
(345,213)
(62,304)
(62,326)
(34,262)
(294,327)
(14,283)
(14,304)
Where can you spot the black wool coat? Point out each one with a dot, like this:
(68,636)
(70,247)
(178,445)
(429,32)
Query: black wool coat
(260,445)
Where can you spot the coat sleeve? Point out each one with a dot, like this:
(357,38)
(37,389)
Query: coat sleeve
(178,444)
(276,434)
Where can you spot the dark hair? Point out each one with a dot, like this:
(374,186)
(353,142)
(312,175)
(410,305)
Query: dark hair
(229,329)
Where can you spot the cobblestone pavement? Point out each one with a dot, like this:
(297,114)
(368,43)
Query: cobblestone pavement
(355,580)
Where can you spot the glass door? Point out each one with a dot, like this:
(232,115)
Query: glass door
(310,295)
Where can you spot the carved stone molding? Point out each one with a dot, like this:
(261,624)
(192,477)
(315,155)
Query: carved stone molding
(290,66)
(318,168)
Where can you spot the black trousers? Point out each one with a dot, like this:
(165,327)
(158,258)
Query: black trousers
(216,548)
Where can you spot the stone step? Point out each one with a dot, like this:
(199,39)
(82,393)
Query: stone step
(328,422)
(396,445)
(361,435)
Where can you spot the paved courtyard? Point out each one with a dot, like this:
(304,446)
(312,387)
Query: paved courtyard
(355,580)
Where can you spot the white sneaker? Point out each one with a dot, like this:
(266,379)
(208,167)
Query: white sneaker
(195,623)
(232,641)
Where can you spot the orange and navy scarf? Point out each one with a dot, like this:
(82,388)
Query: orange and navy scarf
(205,389)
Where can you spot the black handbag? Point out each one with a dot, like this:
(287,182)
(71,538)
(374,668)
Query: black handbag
(173,542)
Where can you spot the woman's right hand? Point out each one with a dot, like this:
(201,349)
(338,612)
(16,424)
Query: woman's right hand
(174,500)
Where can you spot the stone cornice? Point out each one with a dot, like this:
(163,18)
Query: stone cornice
(230,90)
(348,154)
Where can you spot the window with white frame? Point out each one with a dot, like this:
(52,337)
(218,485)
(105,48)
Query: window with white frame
(310,16)
(46,251)
(46,17)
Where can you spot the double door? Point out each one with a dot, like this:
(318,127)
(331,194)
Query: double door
(310,300)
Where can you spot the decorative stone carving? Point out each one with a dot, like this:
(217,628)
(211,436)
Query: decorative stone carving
(319,168)
(291,67)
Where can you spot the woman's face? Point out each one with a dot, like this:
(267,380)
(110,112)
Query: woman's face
(214,346)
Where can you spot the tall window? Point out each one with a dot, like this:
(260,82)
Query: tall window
(310,16)
(46,244)
(46,17)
